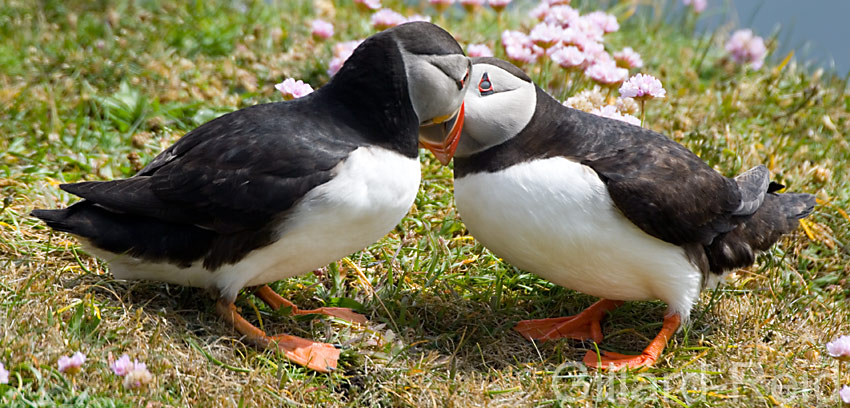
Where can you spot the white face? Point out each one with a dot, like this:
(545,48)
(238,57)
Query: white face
(437,84)
(497,108)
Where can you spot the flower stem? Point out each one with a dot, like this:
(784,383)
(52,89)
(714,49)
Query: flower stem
(642,111)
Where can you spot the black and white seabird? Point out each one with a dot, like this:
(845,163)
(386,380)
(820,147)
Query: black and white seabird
(280,189)
(603,207)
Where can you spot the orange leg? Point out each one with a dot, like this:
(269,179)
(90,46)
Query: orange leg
(321,357)
(275,301)
(616,361)
(584,325)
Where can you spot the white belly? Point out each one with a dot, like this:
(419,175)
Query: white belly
(372,190)
(554,218)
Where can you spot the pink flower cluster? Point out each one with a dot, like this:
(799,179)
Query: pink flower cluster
(747,48)
(606,73)
(498,5)
(341,51)
(628,58)
(4,375)
(520,48)
(71,365)
(135,374)
(441,5)
(321,29)
(611,112)
(573,41)
(478,50)
(839,348)
(386,18)
(469,5)
(642,86)
(698,5)
(568,57)
(367,5)
(293,89)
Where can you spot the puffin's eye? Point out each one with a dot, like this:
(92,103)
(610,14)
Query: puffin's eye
(485,87)
(462,82)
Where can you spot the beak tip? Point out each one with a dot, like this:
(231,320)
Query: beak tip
(445,151)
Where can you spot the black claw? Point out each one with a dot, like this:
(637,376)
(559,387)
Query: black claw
(338,346)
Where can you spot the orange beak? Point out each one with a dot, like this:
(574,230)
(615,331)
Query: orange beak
(444,149)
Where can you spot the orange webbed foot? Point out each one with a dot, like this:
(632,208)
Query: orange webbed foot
(315,355)
(583,326)
(615,361)
(275,301)
(318,356)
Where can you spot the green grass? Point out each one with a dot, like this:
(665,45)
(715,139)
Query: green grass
(93,90)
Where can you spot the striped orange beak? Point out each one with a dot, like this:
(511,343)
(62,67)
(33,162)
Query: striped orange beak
(442,135)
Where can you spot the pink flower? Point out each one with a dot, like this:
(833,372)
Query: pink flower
(322,29)
(604,21)
(122,366)
(844,394)
(562,15)
(839,348)
(293,89)
(699,5)
(747,48)
(628,58)
(589,28)
(545,35)
(540,11)
(138,376)
(441,5)
(569,36)
(607,73)
(594,53)
(367,5)
(386,18)
(568,57)
(521,54)
(4,375)
(135,374)
(626,105)
(479,50)
(498,5)
(642,86)
(72,364)
(515,38)
(419,17)
(611,112)
(471,5)
(342,51)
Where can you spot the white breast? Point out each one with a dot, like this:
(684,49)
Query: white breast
(554,218)
(372,190)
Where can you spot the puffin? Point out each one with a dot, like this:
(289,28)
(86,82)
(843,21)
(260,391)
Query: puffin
(280,189)
(603,207)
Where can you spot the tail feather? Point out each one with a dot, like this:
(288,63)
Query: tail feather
(779,214)
(138,236)
(753,184)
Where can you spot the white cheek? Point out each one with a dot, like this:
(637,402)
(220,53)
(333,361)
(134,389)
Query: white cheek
(492,119)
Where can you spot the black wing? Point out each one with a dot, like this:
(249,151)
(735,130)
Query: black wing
(235,173)
(658,184)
